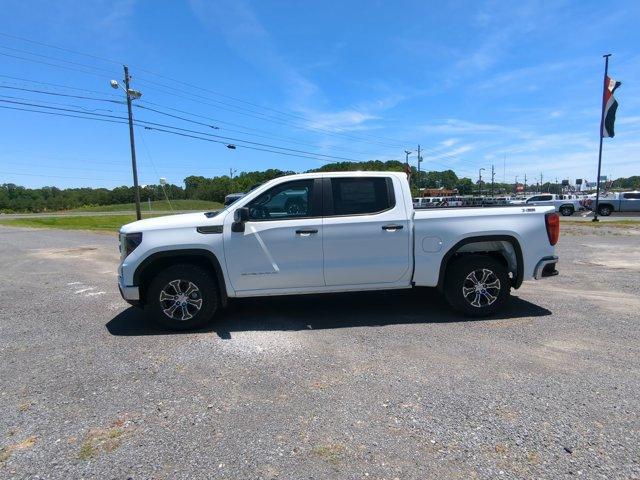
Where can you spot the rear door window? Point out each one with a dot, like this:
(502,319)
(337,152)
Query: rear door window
(361,195)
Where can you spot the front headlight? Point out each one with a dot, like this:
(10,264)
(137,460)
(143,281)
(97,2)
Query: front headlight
(129,242)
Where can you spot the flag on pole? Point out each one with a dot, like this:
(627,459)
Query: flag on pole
(610,107)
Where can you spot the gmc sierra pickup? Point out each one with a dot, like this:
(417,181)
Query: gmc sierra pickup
(332,232)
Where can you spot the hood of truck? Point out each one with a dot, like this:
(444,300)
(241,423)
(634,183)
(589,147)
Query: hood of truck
(186,220)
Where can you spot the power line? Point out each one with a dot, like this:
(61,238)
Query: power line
(84,109)
(199,99)
(156,126)
(91,67)
(227,107)
(233,108)
(162,113)
(52,64)
(63,94)
(48,45)
(213,92)
(55,176)
(61,114)
(58,85)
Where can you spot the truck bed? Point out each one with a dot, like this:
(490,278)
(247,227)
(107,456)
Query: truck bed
(438,230)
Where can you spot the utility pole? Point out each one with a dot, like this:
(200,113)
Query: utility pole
(232,172)
(134,166)
(525,183)
(515,187)
(493,174)
(480,180)
(540,182)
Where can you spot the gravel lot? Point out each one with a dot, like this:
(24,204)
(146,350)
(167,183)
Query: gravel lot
(378,385)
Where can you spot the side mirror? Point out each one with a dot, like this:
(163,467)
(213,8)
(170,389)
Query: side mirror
(240,216)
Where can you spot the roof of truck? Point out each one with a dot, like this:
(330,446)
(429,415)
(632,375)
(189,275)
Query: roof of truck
(358,173)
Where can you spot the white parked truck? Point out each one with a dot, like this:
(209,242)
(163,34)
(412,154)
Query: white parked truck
(332,232)
(615,202)
(566,205)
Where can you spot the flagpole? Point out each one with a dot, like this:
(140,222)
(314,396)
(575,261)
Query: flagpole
(604,96)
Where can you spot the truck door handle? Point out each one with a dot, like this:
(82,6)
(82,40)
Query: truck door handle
(392,227)
(306,232)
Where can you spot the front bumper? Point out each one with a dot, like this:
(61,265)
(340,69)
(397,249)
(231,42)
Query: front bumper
(130,293)
(546,267)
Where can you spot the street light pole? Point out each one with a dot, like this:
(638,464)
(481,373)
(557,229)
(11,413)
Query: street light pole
(419,162)
(406,165)
(480,180)
(133,144)
(493,174)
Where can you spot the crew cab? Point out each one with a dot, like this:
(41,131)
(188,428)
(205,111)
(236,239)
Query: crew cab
(616,202)
(565,204)
(332,232)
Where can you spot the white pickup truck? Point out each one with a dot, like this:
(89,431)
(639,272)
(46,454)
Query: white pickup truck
(566,204)
(332,232)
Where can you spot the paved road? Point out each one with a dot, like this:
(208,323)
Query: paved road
(378,385)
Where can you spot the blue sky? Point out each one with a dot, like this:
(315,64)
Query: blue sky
(513,84)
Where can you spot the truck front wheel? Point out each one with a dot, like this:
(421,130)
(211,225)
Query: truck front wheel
(477,285)
(182,297)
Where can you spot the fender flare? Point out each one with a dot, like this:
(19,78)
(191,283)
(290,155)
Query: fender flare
(186,252)
(517,281)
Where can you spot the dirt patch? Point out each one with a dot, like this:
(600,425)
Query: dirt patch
(7,451)
(611,256)
(102,259)
(614,301)
(77,252)
(104,439)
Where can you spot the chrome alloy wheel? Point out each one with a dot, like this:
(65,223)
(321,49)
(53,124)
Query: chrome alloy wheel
(180,300)
(481,288)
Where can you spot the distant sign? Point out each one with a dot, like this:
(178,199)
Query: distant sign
(519,188)
(565,183)
(578,181)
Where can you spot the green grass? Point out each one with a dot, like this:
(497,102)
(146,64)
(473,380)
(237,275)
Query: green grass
(101,223)
(159,205)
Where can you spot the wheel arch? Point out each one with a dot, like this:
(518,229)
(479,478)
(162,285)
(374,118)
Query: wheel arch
(197,256)
(481,241)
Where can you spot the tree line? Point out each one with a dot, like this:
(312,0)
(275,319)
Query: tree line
(14,198)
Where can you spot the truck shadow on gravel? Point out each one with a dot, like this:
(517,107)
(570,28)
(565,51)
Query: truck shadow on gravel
(317,312)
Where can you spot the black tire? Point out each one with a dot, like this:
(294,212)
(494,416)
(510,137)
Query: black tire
(566,211)
(194,308)
(458,280)
(604,210)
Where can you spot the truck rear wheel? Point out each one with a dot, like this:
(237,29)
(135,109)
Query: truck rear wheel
(182,297)
(604,210)
(566,211)
(477,285)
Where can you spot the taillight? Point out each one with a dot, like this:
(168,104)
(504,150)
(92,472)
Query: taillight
(552,221)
